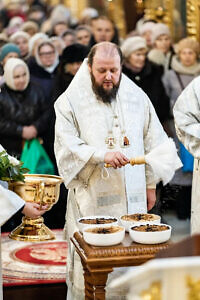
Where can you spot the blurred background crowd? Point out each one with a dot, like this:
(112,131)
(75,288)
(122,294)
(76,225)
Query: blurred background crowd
(42,47)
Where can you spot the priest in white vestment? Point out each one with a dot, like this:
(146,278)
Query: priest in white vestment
(103,117)
(187,122)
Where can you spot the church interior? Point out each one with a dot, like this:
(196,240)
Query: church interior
(169,269)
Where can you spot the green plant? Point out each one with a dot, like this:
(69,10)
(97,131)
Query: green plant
(10,168)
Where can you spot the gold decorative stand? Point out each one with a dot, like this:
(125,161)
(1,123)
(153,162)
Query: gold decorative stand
(40,189)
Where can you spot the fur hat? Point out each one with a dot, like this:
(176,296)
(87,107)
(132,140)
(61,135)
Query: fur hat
(9,67)
(30,25)
(132,44)
(89,12)
(187,43)
(74,53)
(148,26)
(18,34)
(158,30)
(7,48)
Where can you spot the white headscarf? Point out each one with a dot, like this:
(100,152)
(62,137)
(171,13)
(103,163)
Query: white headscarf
(56,60)
(9,68)
(34,38)
(18,34)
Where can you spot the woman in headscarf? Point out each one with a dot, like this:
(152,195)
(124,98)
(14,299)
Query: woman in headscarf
(35,40)
(21,39)
(83,34)
(162,51)
(58,43)
(145,74)
(23,111)
(43,67)
(68,37)
(6,52)
(185,67)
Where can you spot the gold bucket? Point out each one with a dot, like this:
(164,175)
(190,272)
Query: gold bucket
(43,190)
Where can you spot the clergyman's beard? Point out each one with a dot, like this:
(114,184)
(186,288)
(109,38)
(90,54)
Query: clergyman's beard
(104,95)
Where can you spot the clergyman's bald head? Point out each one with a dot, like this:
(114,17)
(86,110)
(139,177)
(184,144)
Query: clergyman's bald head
(104,49)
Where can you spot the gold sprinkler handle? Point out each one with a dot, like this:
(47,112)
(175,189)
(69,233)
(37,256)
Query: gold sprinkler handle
(140,160)
(41,193)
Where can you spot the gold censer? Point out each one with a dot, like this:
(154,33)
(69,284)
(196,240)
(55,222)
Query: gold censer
(40,189)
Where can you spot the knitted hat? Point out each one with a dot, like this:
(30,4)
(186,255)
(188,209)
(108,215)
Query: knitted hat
(15,22)
(18,34)
(56,21)
(8,48)
(60,13)
(158,30)
(132,44)
(74,53)
(30,25)
(148,26)
(9,68)
(89,12)
(187,43)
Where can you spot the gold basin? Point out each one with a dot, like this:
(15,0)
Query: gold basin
(40,189)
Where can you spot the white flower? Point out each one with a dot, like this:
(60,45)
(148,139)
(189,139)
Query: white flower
(13,160)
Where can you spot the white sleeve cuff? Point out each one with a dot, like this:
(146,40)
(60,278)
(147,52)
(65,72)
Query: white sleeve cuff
(98,157)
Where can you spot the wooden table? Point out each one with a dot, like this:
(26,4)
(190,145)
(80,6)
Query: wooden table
(98,262)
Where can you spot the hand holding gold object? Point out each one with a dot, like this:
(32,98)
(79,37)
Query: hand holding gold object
(42,190)
(140,160)
(163,160)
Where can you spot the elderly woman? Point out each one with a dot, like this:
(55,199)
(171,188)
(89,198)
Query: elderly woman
(43,66)
(145,74)
(68,37)
(185,67)
(35,40)
(30,27)
(58,43)
(145,30)
(162,51)
(7,51)
(23,112)
(21,39)
(83,35)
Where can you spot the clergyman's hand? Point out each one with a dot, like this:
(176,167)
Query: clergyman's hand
(33,210)
(151,198)
(116,159)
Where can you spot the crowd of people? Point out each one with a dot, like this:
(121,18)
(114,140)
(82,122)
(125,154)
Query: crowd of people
(41,50)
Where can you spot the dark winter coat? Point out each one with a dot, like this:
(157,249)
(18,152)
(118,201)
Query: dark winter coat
(18,109)
(43,78)
(149,79)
